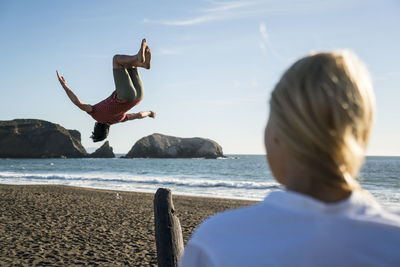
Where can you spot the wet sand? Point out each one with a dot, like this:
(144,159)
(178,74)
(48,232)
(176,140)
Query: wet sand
(64,226)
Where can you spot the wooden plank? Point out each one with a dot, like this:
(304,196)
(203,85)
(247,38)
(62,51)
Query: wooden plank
(168,229)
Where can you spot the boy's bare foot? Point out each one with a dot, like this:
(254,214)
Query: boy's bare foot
(141,53)
(147,62)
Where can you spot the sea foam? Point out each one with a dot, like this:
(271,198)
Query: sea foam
(69,178)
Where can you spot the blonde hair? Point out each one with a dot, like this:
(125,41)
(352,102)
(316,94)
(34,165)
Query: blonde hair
(323,110)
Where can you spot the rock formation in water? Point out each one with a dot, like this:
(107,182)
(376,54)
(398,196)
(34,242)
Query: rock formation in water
(163,146)
(31,138)
(105,151)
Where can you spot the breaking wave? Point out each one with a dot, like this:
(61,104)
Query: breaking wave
(24,178)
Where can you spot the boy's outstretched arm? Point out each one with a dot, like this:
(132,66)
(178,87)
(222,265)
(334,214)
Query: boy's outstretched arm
(72,96)
(141,115)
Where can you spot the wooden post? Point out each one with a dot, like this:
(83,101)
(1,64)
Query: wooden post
(168,229)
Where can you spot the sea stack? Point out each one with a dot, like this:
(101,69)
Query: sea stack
(105,151)
(164,146)
(31,138)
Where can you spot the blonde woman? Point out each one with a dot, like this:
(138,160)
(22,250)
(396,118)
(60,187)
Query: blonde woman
(321,115)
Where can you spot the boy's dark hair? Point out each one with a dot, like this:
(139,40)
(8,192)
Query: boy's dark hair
(100,132)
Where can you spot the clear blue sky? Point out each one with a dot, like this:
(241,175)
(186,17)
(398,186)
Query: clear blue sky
(214,62)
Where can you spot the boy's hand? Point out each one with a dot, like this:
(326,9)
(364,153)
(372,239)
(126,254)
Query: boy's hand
(61,80)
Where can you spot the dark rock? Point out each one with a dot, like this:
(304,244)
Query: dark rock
(75,134)
(163,146)
(105,151)
(30,138)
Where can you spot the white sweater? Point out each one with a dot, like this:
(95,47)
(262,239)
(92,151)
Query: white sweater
(292,229)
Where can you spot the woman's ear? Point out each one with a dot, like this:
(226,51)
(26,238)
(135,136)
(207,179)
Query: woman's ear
(275,138)
(270,135)
(275,153)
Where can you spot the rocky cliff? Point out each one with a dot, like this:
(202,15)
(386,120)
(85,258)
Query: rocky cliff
(163,146)
(30,138)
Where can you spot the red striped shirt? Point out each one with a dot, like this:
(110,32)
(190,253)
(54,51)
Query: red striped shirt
(112,110)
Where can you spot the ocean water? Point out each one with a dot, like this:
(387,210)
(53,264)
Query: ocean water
(237,176)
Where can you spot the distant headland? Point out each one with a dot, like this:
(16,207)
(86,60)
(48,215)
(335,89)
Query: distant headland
(33,138)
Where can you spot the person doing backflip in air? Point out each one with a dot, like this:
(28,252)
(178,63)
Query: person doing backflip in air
(128,93)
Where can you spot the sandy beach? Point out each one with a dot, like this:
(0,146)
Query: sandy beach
(62,225)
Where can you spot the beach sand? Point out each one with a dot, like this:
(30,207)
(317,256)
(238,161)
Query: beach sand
(64,226)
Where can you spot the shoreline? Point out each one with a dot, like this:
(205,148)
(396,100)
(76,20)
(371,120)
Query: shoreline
(69,225)
(145,191)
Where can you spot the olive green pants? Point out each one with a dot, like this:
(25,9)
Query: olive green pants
(128,84)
